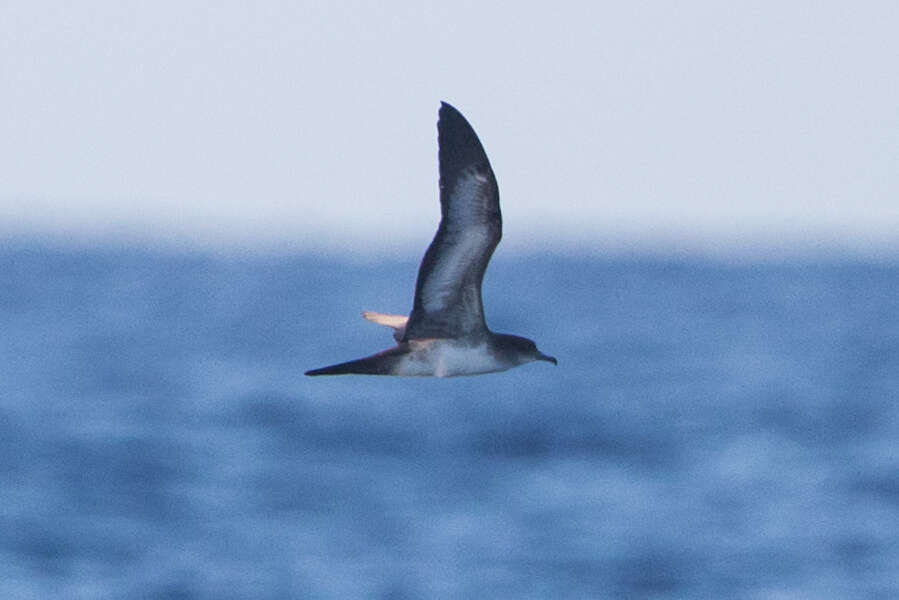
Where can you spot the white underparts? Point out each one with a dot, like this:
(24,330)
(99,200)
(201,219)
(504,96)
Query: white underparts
(448,358)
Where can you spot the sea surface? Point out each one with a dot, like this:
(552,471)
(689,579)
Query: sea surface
(713,430)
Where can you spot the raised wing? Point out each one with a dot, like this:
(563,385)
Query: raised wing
(448,291)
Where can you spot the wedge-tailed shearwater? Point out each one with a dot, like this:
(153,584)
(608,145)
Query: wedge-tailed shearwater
(446,334)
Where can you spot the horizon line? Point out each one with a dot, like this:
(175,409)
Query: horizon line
(748,247)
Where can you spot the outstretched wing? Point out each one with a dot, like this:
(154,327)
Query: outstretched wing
(448,291)
(382,363)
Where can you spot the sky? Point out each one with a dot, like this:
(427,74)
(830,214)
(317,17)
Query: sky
(698,126)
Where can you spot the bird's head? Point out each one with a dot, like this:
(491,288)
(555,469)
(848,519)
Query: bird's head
(521,350)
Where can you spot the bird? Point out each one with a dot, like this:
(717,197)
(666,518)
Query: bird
(446,334)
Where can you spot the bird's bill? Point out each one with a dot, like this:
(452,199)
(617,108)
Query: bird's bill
(541,356)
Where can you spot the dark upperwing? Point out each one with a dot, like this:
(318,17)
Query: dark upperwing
(448,290)
(382,363)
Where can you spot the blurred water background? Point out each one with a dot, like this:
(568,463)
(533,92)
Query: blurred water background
(713,430)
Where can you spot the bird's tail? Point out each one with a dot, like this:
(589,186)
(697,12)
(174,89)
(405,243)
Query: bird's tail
(382,363)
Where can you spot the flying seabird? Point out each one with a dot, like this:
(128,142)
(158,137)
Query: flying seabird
(446,334)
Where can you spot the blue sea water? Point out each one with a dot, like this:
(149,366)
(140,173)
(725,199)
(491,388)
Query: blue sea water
(712,430)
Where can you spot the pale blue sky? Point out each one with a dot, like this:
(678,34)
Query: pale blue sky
(702,125)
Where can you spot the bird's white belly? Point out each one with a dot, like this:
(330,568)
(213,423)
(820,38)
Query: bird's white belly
(445,358)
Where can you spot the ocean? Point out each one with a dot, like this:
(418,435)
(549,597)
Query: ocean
(713,430)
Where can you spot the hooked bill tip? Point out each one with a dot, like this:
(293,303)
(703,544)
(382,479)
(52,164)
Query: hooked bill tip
(547,358)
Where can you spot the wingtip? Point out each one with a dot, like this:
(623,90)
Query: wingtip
(458,144)
(446,107)
(326,371)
